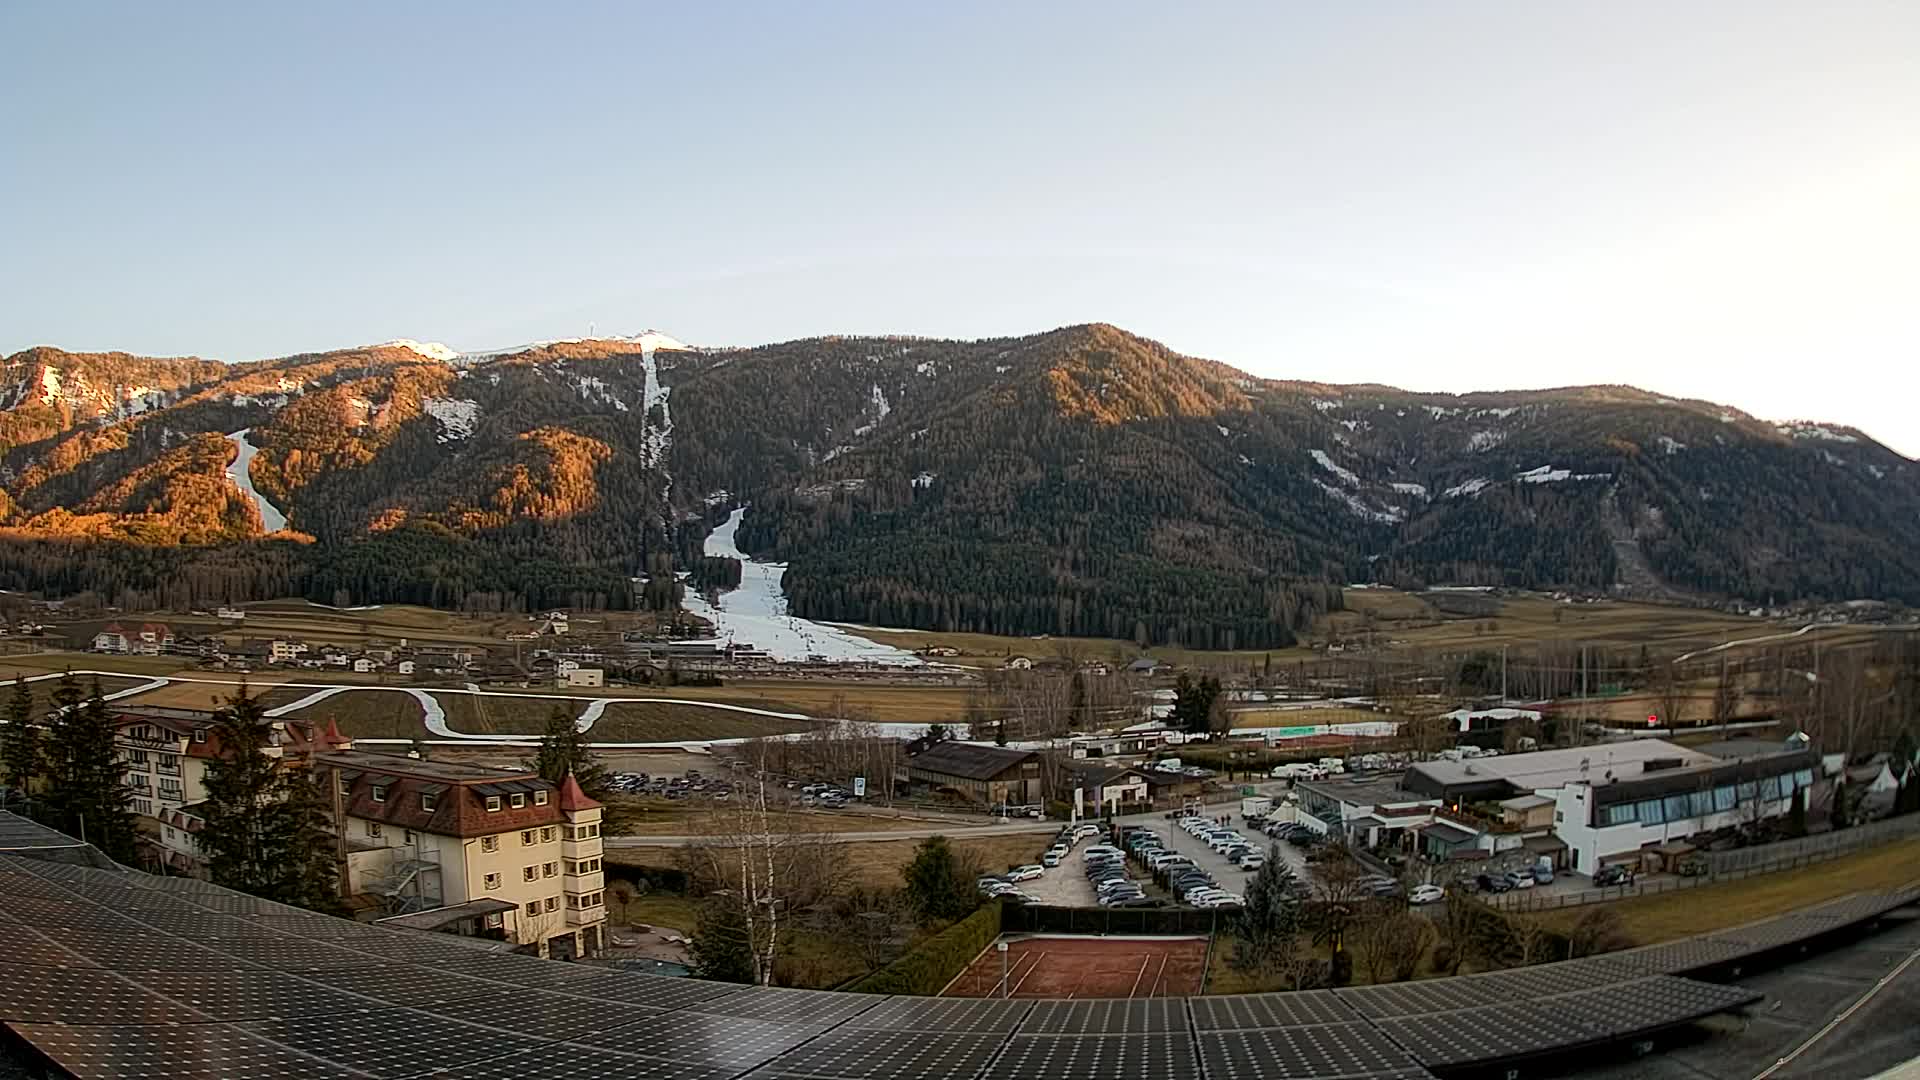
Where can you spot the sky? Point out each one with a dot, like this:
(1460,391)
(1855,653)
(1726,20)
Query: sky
(1713,200)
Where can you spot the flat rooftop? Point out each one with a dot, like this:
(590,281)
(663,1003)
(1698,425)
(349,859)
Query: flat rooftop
(1556,768)
(1375,789)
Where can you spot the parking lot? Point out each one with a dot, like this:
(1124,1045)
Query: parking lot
(1230,877)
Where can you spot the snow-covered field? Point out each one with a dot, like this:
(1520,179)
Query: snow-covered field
(756,612)
(271,519)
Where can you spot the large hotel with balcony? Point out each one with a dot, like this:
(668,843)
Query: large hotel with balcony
(497,853)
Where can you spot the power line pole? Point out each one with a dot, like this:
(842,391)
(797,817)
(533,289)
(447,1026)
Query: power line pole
(1503,674)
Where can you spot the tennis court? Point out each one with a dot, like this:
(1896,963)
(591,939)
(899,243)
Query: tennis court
(1043,966)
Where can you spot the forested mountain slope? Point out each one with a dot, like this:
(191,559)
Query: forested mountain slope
(1080,481)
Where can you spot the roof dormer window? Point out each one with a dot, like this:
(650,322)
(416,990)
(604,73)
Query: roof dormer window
(493,803)
(199,734)
(379,793)
(539,798)
(519,801)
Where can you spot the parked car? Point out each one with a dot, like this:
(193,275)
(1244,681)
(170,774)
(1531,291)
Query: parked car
(1613,875)
(1519,879)
(1026,873)
(1051,857)
(1490,884)
(1426,894)
(1252,860)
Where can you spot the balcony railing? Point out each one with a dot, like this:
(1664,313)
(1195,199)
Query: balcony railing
(586,916)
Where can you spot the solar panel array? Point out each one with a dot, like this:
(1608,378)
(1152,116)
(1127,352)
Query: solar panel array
(114,973)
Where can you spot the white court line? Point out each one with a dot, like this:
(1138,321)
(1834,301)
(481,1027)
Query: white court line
(1037,957)
(1145,962)
(1159,978)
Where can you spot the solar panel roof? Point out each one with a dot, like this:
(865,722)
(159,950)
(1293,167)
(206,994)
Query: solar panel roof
(112,973)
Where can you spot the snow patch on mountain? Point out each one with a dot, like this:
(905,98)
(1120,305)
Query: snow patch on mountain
(594,388)
(1878,472)
(1439,413)
(456,417)
(1390,515)
(1671,446)
(1323,404)
(1815,431)
(240,474)
(1419,490)
(647,340)
(1482,441)
(1472,487)
(925,479)
(1331,466)
(1222,429)
(881,408)
(1547,474)
(432,350)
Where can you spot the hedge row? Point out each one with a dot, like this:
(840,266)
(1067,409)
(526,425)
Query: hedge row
(927,969)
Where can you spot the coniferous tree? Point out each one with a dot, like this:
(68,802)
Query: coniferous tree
(303,831)
(21,761)
(266,825)
(85,792)
(563,750)
(719,946)
(243,787)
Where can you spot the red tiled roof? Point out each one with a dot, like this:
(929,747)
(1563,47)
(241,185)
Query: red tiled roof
(459,808)
(114,628)
(572,799)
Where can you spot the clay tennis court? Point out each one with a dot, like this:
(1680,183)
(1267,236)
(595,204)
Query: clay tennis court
(1087,967)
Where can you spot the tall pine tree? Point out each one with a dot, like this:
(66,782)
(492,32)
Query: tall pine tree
(563,750)
(85,792)
(266,825)
(20,754)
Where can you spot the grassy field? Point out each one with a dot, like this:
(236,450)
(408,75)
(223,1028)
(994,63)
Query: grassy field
(812,959)
(367,714)
(31,664)
(1404,618)
(1652,919)
(187,695)
(649,722)
(43,691)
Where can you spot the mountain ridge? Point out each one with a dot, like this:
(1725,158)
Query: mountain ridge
(1080,480)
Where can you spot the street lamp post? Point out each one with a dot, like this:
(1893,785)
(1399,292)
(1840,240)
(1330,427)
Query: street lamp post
(1002,946)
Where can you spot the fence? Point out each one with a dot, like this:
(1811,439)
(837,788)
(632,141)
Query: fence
(1741,863)
(1043,919)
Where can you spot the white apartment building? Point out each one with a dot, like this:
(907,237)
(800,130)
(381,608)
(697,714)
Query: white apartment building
(451,845)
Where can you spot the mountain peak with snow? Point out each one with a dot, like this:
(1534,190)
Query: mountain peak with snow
(432,350)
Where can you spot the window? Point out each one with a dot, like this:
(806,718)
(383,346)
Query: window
(546,835)
(526,838)
(551,869)
(533,907)
(1723,798)
(553,903)
(409,837)
(373,828)
(493,803)
(539,798)
(489,843)
(588,832)
(495,921)
(568,832)
(493,881)
(346,786)
(137,758)
(519,800)
(529,873)
(572,867)
(1676,806)
(169,834)
(1649,812)
(143,807)
(427,802)
(1770,789)
(1749,791)
(1803,778)
(593,900)
(199,734)
(1700,803)
(379,793)
(1618,814)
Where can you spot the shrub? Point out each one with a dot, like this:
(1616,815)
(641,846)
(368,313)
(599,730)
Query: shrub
(927,969)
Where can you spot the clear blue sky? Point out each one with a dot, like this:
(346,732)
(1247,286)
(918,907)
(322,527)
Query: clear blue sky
(1707,199)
